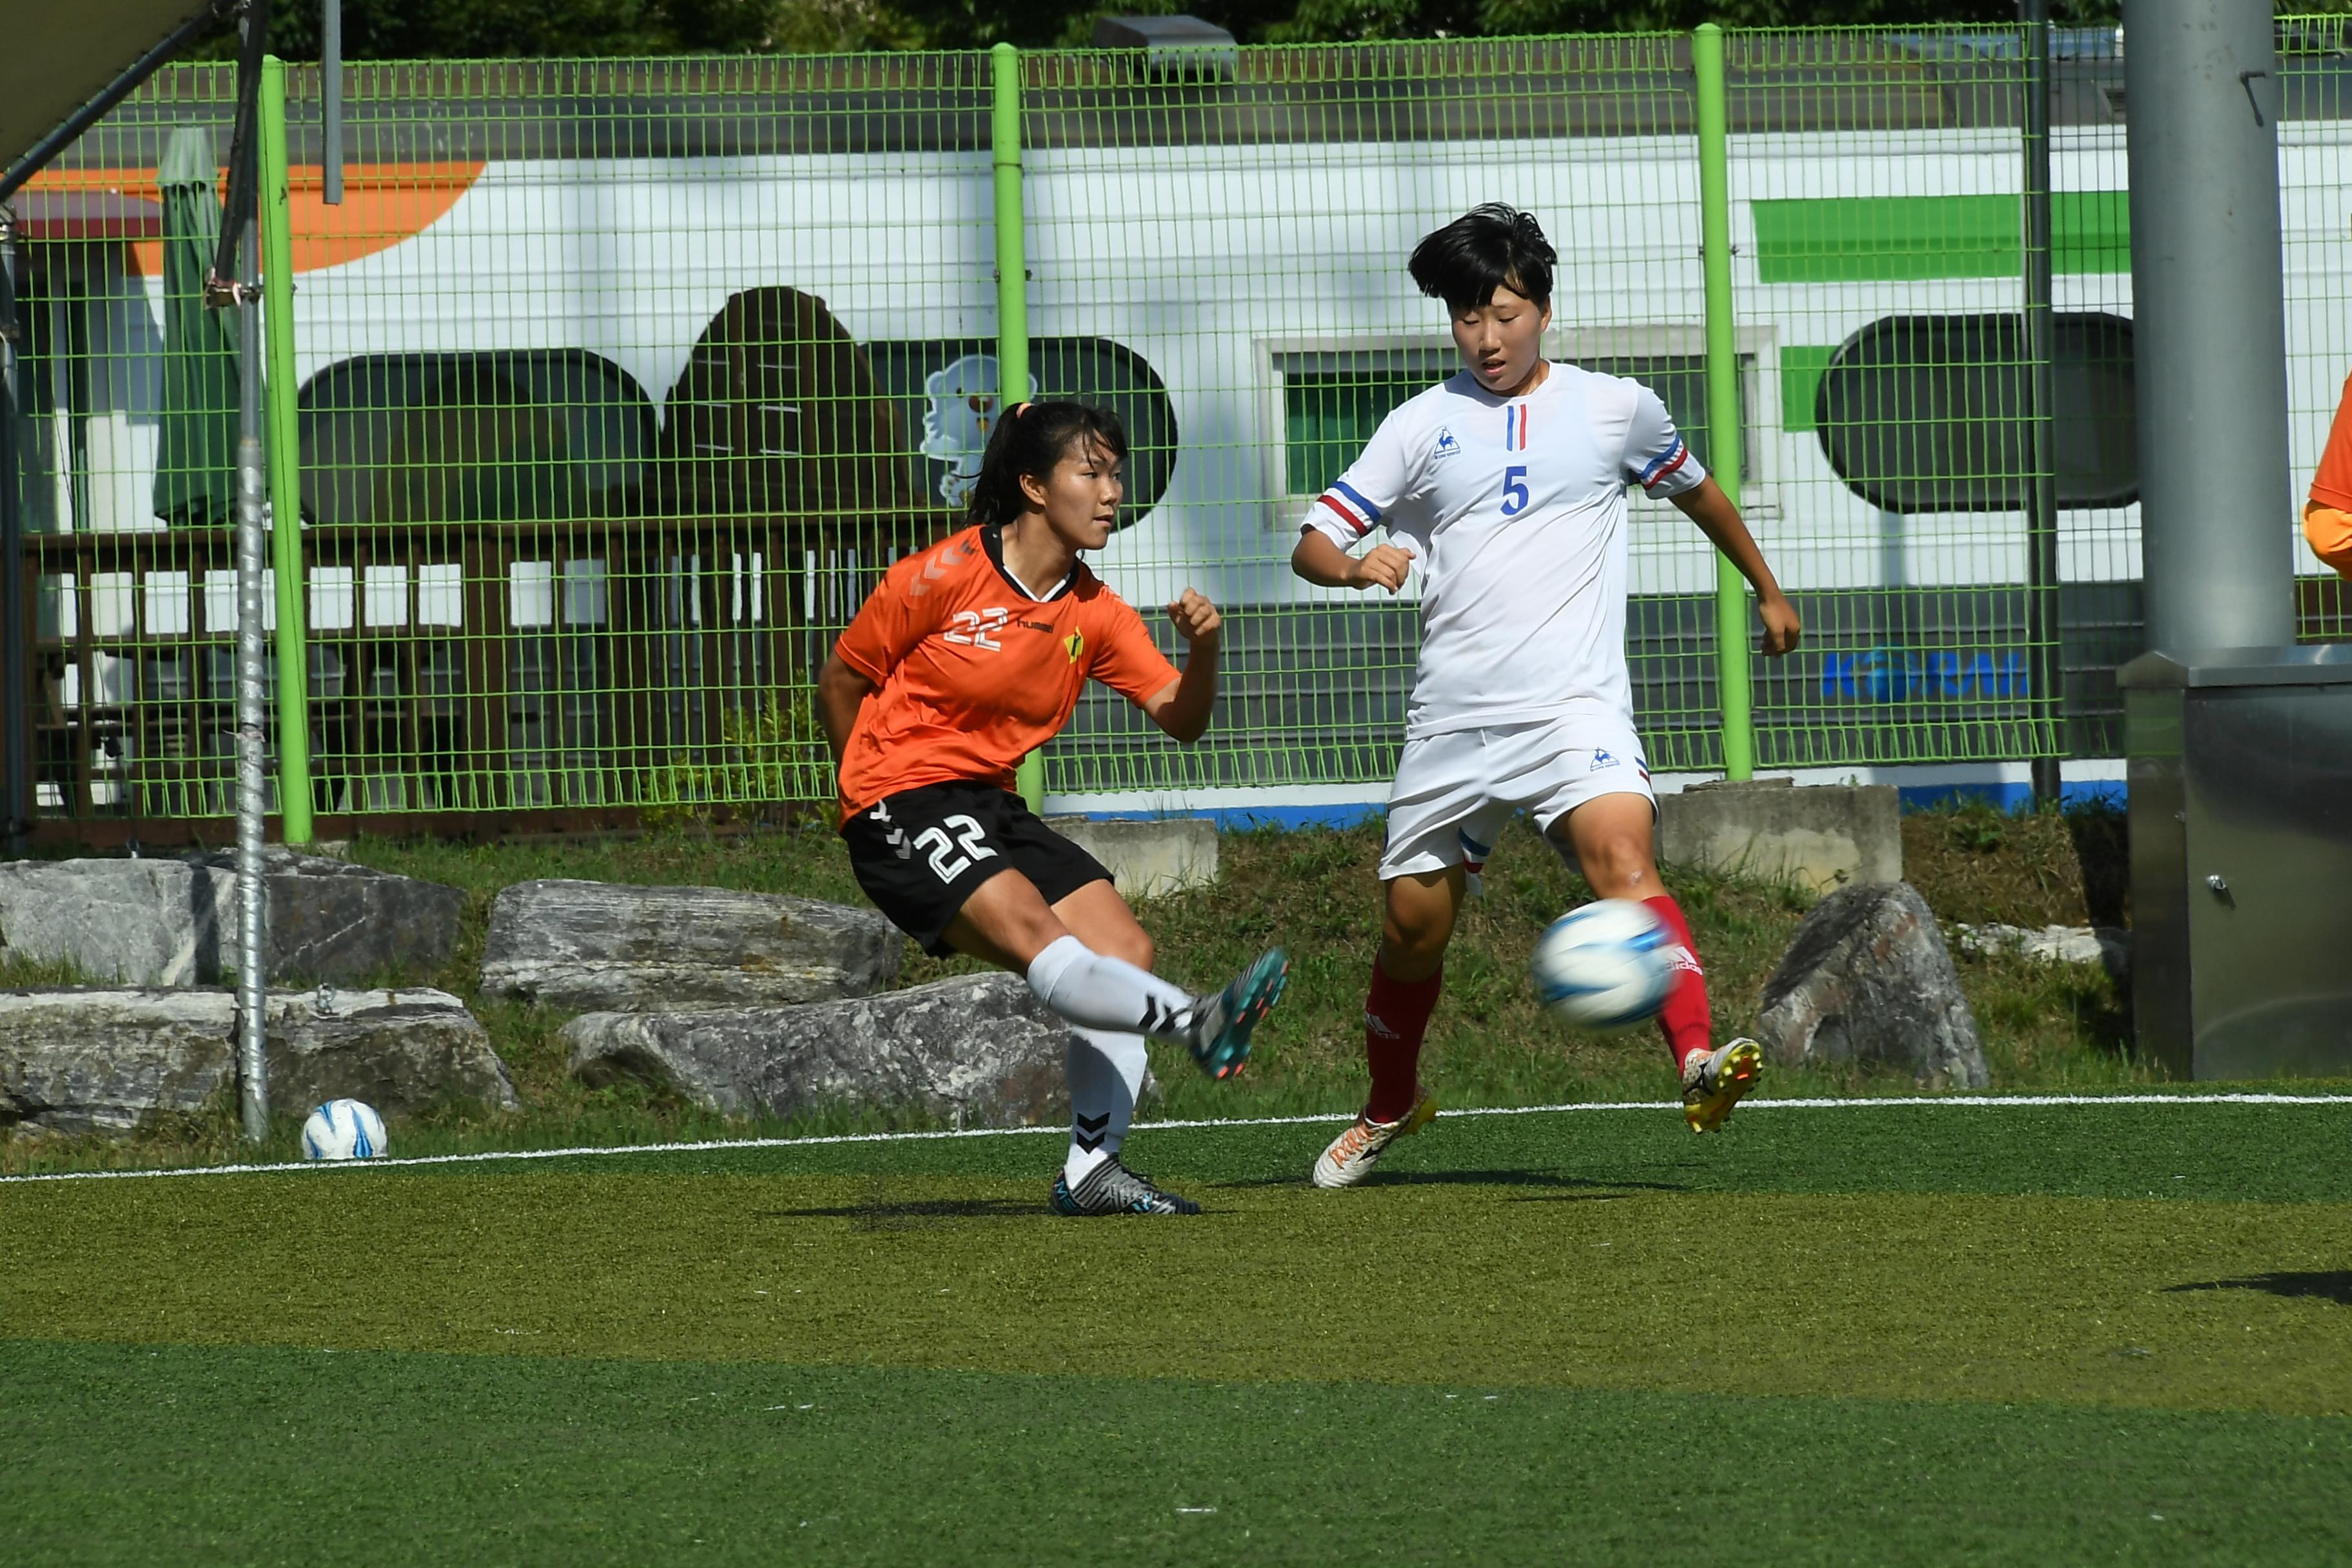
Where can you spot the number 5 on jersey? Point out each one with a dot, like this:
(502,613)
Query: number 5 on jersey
(1514,490)
(967,838)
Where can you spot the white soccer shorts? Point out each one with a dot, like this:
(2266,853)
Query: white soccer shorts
(1453,791)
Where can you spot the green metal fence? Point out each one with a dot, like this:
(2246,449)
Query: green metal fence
(613,385)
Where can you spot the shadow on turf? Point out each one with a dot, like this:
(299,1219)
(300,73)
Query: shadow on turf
(884,1213)
(1565,1188)
(2328,1284)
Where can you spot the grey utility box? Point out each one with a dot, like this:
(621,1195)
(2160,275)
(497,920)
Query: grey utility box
(2242,859)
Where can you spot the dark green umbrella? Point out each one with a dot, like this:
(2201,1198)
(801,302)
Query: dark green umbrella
(195,469)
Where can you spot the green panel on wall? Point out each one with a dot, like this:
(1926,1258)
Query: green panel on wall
(1802,365)
(1894,239)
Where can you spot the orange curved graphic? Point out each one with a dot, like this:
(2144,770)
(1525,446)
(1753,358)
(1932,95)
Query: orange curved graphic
(383,204)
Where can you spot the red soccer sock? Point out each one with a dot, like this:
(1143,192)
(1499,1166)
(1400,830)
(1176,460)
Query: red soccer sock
(1396,1019)
(1684,1019)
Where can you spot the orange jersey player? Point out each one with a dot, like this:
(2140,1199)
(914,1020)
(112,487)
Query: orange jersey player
(968,656)
(2328,515)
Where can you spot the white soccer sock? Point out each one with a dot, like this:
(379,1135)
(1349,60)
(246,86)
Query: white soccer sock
(1105,1072)
(1098,992)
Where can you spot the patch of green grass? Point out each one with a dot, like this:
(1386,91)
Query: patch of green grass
(1530,1254)
(125,1454)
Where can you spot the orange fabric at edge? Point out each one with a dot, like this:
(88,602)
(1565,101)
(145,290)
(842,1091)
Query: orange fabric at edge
(2328,530)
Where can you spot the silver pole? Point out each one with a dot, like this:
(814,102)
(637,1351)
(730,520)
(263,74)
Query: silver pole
(2042,621)
(331,100)
(252,485)
(2209,324)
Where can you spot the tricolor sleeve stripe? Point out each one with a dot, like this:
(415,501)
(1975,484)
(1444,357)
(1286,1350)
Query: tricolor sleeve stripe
(1664,463)
(1359,516)
(1370,512)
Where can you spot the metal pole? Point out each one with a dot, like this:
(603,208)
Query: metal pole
(2042,623)
(285,461)
(2210,325)
(331,102)
(17,806)
(1736,694)
(1011,296)
(252,1072)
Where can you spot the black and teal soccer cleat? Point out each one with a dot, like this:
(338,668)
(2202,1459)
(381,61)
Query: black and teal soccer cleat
(1219,1031)
(1111,1188)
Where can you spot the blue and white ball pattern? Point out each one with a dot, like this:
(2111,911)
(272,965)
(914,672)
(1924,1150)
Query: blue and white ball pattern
(1607,965)
(344,1130)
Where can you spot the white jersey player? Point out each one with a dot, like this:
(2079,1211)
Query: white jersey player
(1505,486)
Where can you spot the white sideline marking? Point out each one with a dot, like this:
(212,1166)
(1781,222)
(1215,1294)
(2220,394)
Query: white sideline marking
(1977,1101)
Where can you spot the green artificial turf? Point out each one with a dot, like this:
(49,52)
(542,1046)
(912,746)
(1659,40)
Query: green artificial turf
(1886,1334)
(1893,1253)
(125,1454)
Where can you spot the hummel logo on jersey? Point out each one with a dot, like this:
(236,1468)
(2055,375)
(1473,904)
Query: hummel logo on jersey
(1446,444)
(1602,759)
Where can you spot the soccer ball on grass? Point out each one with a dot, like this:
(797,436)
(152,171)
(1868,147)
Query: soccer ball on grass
(1607,965)
(344,1130)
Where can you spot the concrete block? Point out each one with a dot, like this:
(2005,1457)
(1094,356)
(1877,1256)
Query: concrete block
(1822,836)
(1150,859)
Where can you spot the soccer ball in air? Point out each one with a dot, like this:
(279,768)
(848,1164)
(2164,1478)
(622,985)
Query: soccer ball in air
(1607,965)
(343,1130)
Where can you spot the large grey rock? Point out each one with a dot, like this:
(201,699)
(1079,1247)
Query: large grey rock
(398,1050)
(1869,980)
(133,922)
(174,923)
(605,947)
(76,1060)
(80,1059)
(1820,835)
(979,1050)
(332,920)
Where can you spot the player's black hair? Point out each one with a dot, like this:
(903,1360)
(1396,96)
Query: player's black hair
(1031,439)
(1488,247)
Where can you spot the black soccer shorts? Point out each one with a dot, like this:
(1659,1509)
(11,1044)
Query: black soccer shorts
(920,853)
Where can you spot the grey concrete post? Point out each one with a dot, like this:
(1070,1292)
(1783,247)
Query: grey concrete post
(2210,323)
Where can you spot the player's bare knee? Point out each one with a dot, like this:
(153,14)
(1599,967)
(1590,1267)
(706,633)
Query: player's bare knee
(1616,865)
(1135,946)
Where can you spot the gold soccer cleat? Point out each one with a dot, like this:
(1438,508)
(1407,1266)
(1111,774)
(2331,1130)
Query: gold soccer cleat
(1713,1082)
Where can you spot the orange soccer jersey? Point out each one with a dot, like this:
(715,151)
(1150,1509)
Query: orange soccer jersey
(975,673)
(2327,516)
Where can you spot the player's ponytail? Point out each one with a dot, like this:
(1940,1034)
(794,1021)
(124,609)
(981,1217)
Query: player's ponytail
(1031,438)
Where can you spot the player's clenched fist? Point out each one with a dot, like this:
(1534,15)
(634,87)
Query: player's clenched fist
(1384,566)
(1197,619)
(1781,626)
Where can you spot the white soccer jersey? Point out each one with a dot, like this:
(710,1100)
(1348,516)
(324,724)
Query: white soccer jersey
(1516,509)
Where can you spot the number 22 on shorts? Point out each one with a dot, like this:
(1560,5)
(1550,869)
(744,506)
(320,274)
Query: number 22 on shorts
(968,834)
(1514,490)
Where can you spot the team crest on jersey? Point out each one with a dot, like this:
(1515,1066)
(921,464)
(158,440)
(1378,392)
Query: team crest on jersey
(1073,645)
(1446,444)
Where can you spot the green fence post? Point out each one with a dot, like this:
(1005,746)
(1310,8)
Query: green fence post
(285,459)
(1011,297)
(1736,695)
